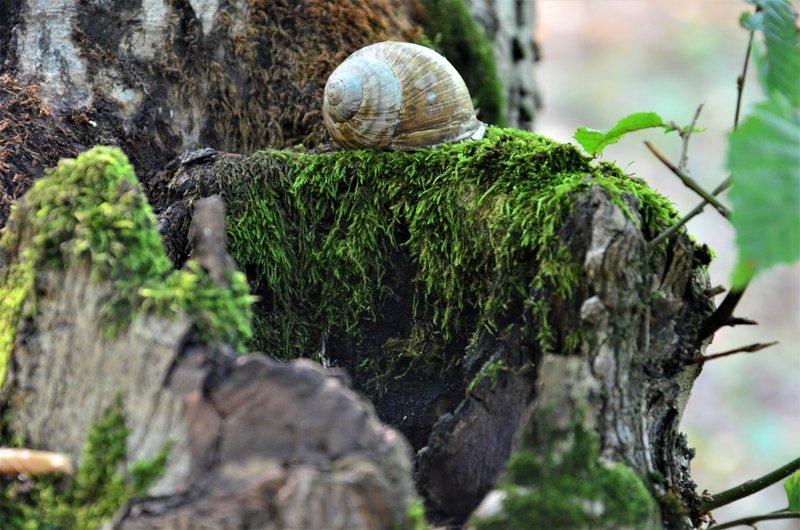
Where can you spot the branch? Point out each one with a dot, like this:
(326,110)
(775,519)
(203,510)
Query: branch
(727,182)
(685,136)
(738,321)
(751,348)
(756,518)
(689,181)
(723,314)
(725,311)
(697,210)
(740,82)
(750,487)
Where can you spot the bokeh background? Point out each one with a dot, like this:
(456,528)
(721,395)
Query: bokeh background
(604,59)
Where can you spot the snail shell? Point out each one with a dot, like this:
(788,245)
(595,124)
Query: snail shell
(398,96)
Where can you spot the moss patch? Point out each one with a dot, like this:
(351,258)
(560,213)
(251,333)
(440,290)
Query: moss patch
(570,489)
(478,220)
(454,32)
(96,491)
(92,208)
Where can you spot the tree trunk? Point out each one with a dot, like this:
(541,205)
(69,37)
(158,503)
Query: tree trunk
(261,443)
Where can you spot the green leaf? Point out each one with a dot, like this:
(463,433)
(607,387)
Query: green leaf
(752,21)
(764,161)
(594,141)
(782,37)
(792,487)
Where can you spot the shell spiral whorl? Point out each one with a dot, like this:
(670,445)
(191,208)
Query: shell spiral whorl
(399,96)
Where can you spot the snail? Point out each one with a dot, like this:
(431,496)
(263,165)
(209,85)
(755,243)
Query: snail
(398,96)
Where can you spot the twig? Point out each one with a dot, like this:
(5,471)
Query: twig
(685,136)
(689,216)
(740,82)
(750,348)
(714,291)
(723,314)
(750,487)
(738,321)
(690,182)
(748,521)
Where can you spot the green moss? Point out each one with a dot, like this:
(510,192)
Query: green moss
(92,208)
(455,33)
(479,220)
(490,370)
(17,283)
(221,314)
(97,490)
(415,515)
(573,489)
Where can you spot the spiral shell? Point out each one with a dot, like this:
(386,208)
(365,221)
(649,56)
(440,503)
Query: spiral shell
(398,96)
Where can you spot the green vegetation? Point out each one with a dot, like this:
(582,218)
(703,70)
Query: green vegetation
(552,487)
(479,220)
(92,208)
(96,491)
(490,370)
(792,488)
(415,515)
(764,153)
(594,141)
(455,33)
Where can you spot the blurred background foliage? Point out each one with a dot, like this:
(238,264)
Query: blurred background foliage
(604,59)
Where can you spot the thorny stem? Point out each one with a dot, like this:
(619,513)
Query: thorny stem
(689,181)
(751,348)
(748,521)
(750,487)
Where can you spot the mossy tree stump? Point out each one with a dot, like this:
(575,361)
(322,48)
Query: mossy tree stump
(490,298)
(463,288)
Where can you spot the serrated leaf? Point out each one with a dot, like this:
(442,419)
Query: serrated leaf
(764,161)
(782,37)
(594,141)
(792,487)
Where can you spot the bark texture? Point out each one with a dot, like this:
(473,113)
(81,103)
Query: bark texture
(511,28)
(628,377)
